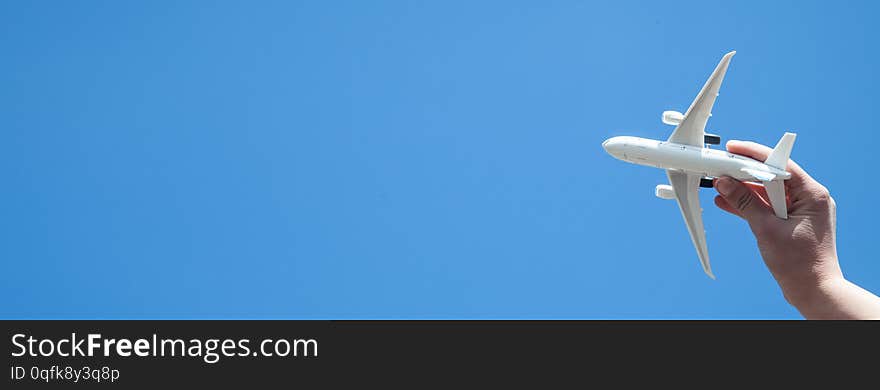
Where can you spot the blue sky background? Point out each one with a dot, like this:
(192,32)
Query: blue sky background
(182,159)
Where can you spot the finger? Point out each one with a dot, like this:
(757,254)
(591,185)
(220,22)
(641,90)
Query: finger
(755,187)
(759,190)
(800,189)
(722,204)
(742,198)
(760,152)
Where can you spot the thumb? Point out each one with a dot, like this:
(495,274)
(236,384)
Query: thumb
(742,198)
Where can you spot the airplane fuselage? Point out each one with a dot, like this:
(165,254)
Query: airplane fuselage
(692,159)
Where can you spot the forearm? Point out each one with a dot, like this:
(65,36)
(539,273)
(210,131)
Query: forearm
(835,298)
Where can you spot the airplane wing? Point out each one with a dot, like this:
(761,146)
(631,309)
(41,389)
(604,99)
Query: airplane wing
(686,187)
(692,128)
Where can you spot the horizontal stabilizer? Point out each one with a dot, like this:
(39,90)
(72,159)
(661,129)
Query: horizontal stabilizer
(776,193)
(760,175)
(779,156)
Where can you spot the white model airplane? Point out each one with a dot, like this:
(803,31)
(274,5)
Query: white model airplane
(689,164)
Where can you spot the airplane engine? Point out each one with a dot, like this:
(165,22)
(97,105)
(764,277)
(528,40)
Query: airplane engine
(672,118)
(664,191)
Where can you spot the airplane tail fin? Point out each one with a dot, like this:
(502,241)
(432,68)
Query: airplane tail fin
(776,188)
(779,156)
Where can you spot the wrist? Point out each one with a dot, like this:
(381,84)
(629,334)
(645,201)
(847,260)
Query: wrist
(805,295)
(810,289)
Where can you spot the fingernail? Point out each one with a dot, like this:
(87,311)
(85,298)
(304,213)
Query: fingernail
(725,185)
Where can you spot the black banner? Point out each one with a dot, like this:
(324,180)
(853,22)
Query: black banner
(124,354)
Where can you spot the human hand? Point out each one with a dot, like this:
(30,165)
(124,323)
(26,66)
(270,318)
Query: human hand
(800,251)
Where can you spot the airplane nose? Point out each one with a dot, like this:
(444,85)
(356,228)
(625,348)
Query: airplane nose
(613,146)
(610,145)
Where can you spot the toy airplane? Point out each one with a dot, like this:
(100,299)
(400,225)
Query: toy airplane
(690,164)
